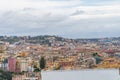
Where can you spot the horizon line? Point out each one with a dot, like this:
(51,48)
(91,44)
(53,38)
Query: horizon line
(60,36)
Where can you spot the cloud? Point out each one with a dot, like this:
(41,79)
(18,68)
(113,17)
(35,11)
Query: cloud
(25,21)
(42,4)
(78,12)
(65,18)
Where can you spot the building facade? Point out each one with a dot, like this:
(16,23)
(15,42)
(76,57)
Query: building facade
(24,65)
(12,64)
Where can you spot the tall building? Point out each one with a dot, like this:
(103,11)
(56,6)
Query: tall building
(12,64)
(5,64)
(18,65)
(24,65)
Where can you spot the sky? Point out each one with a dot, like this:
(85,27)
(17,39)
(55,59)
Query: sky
(66,18)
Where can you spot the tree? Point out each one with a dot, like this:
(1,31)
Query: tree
(5,75)
(97,58)
(42,63)
(36,69)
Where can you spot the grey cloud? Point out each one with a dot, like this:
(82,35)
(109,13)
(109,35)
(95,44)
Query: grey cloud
(24,22)
(99,27)
(28,9)
(15,21)
(78,12)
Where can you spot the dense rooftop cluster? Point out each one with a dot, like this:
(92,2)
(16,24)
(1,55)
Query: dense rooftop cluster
(21,54)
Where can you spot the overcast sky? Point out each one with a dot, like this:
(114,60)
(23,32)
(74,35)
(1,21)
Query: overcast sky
(67,18)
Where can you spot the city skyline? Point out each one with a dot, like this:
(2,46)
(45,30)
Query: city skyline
(66,18)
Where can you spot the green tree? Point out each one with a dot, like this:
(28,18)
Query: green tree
(97,58)
(42,63)
(36,69)
(5,75)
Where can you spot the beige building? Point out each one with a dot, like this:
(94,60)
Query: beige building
(24,64)
(28,76)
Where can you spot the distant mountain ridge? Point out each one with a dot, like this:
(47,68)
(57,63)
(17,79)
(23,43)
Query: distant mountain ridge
(46,39)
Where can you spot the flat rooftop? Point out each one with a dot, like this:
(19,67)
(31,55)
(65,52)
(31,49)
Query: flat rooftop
(95,74)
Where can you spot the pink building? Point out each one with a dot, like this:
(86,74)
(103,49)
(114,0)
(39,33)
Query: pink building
(12,64)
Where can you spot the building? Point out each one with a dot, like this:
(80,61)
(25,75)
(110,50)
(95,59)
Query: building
(2,47)
(24,65)
(12,64)
(28,76)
